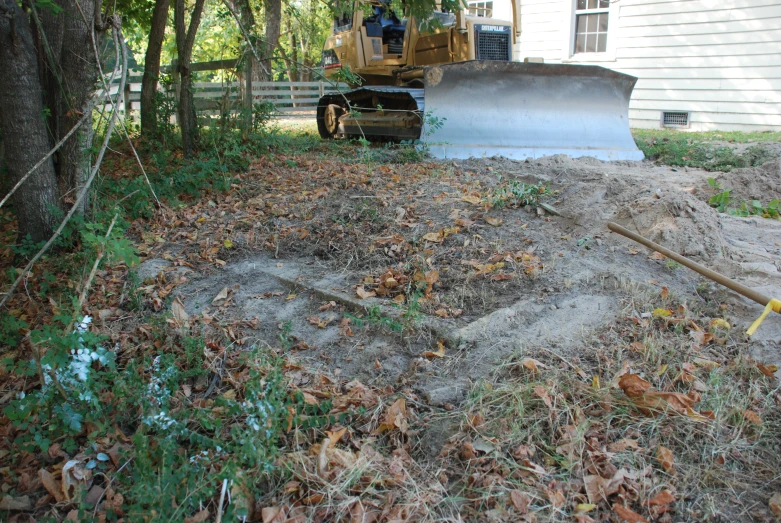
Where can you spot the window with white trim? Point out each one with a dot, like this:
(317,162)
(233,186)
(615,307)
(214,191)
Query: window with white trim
(591,17)
(484,9)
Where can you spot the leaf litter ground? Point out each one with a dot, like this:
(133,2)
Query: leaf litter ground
(501,361)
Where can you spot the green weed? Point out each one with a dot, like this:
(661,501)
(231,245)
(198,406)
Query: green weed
(721,201)
(516,194)
(699,150)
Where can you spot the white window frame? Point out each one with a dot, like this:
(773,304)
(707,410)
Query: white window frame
(568,51)
(476,6)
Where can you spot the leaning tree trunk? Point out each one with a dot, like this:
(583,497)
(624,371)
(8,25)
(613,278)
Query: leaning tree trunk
(152,67)
(24,130)
(185,39)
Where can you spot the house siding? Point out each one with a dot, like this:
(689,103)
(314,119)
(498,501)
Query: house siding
(718,59)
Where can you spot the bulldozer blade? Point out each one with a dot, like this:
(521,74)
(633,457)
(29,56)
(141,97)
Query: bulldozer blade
(527,110)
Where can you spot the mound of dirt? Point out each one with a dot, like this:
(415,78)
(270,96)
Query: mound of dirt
(761,183)
(678,221)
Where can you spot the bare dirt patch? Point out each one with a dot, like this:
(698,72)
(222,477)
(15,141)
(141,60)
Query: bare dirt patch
(433,248)
(497,329)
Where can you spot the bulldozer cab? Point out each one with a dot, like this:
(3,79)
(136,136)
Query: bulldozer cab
(376,42)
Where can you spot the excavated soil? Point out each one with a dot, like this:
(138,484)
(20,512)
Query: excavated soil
(509,281)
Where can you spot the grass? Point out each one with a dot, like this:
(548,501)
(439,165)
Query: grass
(706,150)
(540,428)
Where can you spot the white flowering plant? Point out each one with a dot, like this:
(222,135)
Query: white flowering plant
(75,370)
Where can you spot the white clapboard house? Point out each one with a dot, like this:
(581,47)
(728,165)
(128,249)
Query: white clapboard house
(700,64)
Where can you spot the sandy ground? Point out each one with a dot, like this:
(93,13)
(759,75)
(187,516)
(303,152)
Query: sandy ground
(297,297)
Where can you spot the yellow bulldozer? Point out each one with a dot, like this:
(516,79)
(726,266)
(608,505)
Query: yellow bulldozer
(454,86)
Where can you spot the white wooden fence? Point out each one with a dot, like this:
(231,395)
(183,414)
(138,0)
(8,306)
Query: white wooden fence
(227,99)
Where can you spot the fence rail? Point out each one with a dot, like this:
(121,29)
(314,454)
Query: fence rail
(222,99)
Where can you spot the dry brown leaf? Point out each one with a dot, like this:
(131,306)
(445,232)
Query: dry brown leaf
(309,399)
(15,503)
(768,370)
(665,293)
(623,444)
(200,517)
(599,488)
(178,312)
(439,353)
(633,385)
(75,478)
(53,486)
(752,416)
(652,401)
(520,501)
(496,222)
(775,504)
(542,393)
(532,364)
(335,435)
(665,458)
(706,363)
(363,293)
(434,237)
(628,515)
(665,497)
(273,515)
(395,418)
(472,199)
(222,295)
(701,338)
(556,497)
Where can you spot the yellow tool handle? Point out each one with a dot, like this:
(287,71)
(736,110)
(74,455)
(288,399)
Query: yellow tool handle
(769,303)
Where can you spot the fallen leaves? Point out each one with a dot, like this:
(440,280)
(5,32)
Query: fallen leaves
(532,364)
(395,418)
(665,497)
(15,503)
(520,501)
(75,479)
(666,459)
(628,515)
(719,323)
(363,293)
(599,488)
(650,401)
(180,316)
(439,353)
(439,236)
(775,504)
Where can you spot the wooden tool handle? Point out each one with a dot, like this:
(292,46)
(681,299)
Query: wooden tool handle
(713,275)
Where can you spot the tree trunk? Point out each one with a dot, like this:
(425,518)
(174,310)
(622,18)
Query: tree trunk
(68,71)
(80,69)
(273,22)
(152,67)
(24,129)
(185,39)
